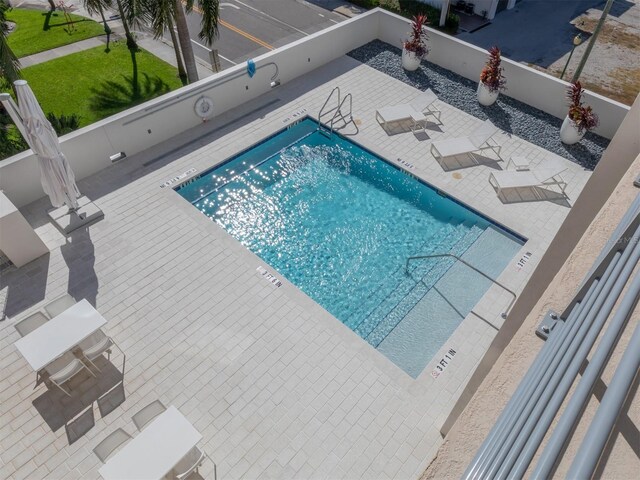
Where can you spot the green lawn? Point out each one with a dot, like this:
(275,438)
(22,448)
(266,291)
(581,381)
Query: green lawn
(94,84)
(38,30)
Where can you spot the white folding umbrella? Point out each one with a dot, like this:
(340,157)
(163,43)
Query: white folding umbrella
(56,176)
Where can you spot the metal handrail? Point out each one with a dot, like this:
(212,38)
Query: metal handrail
(327,101)
(442,255)
(339,112)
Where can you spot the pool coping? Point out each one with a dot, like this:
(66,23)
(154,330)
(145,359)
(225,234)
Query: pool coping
(425,380)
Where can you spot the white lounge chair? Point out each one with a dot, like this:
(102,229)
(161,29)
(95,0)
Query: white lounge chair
(109,445)
(148,413)
(63,369)
(478,141)
(416,110)
(546,174)
(29,324)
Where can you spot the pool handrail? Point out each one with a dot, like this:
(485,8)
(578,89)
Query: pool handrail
(442,255)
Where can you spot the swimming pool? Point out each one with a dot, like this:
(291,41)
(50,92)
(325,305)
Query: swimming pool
(340,222)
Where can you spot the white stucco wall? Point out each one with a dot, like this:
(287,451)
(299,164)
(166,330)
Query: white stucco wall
(88,149)
(524,83)
(134,130)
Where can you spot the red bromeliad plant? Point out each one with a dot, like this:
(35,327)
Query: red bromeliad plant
(491,75)
(417,42)
(583,117)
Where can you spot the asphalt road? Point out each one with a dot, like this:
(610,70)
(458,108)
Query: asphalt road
(249,28)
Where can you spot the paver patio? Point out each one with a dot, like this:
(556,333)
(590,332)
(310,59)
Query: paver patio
(276,385)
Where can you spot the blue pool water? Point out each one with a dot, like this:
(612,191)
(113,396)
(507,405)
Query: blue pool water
(340,223)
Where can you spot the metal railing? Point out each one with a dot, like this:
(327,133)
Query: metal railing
(518,433)
(337,112)
(442,255)
(321,112)
(343,117)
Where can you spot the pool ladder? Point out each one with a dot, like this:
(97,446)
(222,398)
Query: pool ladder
(337,111)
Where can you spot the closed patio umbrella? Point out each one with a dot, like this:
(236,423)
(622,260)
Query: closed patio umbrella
(56,176)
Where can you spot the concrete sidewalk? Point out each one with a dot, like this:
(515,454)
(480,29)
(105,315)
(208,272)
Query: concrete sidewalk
(62,51)
(145,40)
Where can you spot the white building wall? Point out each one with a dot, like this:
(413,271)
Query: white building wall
(88,149)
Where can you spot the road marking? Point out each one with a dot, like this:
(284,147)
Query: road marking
(246,35)
(200,45)
(208,49)
(230,5)
(272,18)
(227,60)
(237,30)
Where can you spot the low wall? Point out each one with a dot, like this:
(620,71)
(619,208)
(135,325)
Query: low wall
(88,149)
(526,84)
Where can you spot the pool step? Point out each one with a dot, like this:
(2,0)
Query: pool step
(416,339)
(396,284)
(412,288)
(417,284)
(391,284)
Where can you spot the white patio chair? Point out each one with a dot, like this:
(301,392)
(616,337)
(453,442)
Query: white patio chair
(63,369)
(546,174)
(59,305)
(478,141)
(32,322)
(416,110)
(109,445)
(189,464)
(148,413)
(95,345)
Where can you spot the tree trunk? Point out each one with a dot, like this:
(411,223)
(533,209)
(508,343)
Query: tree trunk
(131,42)
(52,5)
(135,87)
(185,43)
(107,29)
(181,71)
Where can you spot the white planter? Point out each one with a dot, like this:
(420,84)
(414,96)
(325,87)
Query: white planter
(485,96)
(410,61)
(569,133)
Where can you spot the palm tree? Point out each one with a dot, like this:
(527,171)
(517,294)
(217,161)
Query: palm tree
(9,64)
(210,10)
(97,7)
(133,13)
(163,14)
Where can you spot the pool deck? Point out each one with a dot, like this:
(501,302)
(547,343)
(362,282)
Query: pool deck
(276,385)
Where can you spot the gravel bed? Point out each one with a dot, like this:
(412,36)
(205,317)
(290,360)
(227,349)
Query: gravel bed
(510,115)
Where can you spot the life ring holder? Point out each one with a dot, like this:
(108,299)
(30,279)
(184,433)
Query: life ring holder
(203,107)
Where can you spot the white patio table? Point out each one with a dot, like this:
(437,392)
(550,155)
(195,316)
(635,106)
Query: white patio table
(154,451)
(60,334)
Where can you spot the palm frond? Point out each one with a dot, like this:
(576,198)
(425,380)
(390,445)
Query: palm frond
(137,13)
(9,64)
(96,7)
(162,14)
(210,10)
